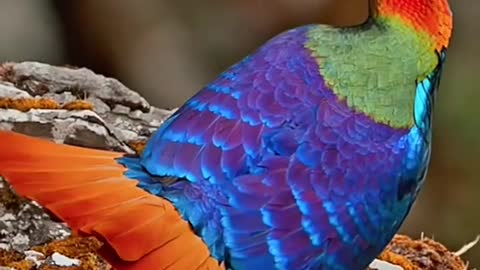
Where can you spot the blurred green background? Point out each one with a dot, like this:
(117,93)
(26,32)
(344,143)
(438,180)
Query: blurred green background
(167,50)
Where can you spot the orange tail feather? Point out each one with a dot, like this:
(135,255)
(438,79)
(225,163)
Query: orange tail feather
(88,190)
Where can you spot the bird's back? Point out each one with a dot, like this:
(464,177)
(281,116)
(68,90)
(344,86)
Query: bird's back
(275,169)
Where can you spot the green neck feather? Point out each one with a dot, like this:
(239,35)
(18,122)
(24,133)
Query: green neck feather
(374,67)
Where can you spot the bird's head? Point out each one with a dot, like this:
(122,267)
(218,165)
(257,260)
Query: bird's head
(431,17)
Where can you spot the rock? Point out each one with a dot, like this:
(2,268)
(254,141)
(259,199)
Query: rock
(39,79)
(421,254)
(24,224)
(383,265)
(7,90)
(61,260)
(119,115)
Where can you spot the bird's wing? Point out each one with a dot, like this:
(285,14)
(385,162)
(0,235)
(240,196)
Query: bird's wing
(87,189)
(273,168)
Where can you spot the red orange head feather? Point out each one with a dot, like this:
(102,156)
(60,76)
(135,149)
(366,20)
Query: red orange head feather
(431,16)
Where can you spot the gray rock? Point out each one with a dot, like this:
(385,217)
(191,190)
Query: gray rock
(25,224)
(37,78)
(7,90)
(120,115)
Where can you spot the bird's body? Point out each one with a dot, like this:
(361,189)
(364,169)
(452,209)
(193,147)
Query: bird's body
(308,154)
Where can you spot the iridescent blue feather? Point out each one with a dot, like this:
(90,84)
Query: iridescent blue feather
(273,171)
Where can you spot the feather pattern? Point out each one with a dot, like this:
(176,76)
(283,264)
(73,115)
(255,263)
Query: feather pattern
(274,169)
(86,188)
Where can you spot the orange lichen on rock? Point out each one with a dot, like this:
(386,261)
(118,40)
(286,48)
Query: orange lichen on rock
(423,254)
(9,256)
(397,259)
(91,261)
(14,259)
(80,248)
(22,265)
(137,146)
(71,247)
(78,105)
(26,104)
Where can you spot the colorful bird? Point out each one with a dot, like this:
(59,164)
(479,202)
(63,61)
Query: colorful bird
(307,154)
